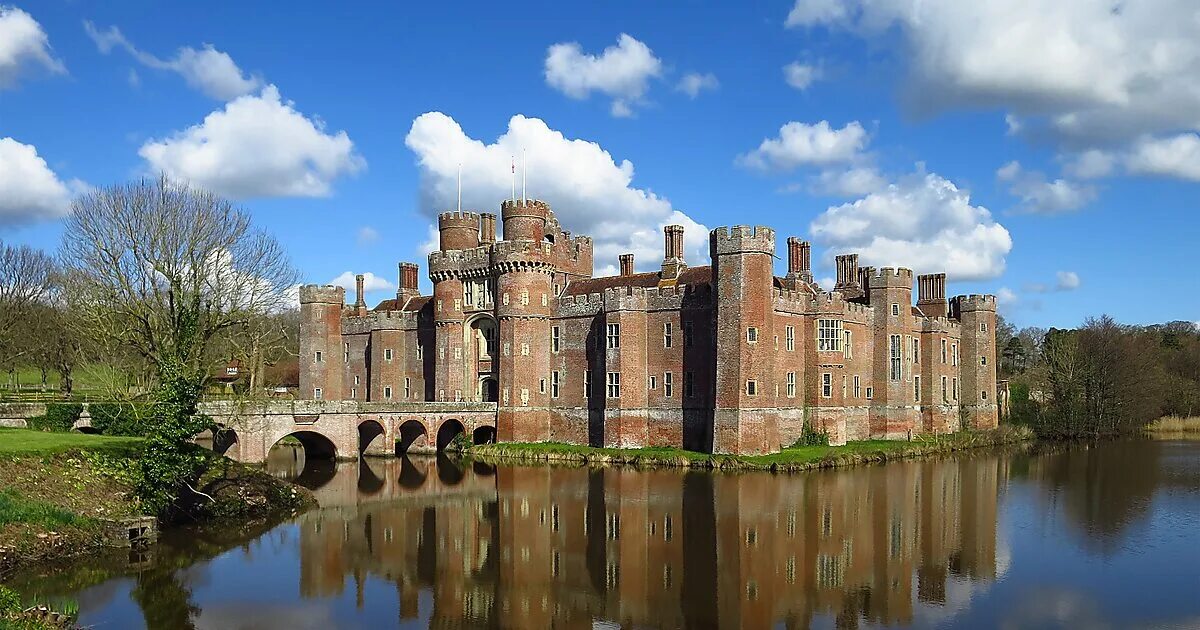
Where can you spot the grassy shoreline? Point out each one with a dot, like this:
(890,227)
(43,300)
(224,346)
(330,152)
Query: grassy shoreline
(791,459)
(1174,424)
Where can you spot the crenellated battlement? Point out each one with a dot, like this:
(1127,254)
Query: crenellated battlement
(322,294)
(741,239)
(892,278)
(973,302)
(463,219)
(525,208)
(458,261)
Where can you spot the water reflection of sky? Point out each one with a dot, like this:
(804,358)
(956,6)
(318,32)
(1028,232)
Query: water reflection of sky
(1097,537)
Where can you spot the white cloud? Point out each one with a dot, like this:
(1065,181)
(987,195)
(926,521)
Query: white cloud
(29,190)
(808,12)
(371,282)
(622,72)
(1006,297)
(23,44)
(367,235)
(1013,123)
(209,70)
(1177,156)
(693,83)
(851,182)
(1039,196)
(590,192)
(1091,164)
(799,75)
(1067,280)
(432,242)
(923,222)
(257,146)
(802,144)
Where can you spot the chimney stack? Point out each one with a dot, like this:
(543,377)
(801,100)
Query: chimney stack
(799,262)
(848,277)
(360,303)
(487,228)
(626,264)
(408,283)
(673,263)
(931,294)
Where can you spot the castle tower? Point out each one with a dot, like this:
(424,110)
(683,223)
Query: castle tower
(525,269)
(673,263)
(457,231)
(977,394)
(745,419)
(626,417)
(321,362)
(892,414)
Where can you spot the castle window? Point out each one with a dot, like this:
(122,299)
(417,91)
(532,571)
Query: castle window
(469,292)
(688,333)
(457,352)
(791,384)
(316,393)
(895,309)
(353,393)
(982,360)
(457,304)
(387,355)
(507,348)
(829,335)
(917,388)
(668,384)
(826,385)
(857,390)
(407,389)
(870,392)
(554,384)
(587,384)
(542,386)
(554,339)
(954,384)
(752,335)
(420,351)
(789,338)
(652,382)
(847,350)
(614,384)
(346,354)
(916,350)
(982,326)
(356,379)
(318,356)
(944,397)
(943,352)
(689,384)
(843,387)
(505,298)
(544,299)
(894,355)
(387,392)
(524,349)
(524,397)
(667,335)
(751,388)
(983,394)
(614,335)
(954,353)
(524,297)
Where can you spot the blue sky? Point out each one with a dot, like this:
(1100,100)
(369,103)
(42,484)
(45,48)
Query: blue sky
(1043,150)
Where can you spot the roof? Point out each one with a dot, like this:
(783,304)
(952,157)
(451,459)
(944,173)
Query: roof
(692,276)
(411,304)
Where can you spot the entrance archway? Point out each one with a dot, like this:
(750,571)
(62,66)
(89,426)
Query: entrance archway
(481,336)
(488,389)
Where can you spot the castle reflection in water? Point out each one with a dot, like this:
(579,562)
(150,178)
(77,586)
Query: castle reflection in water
(541,546)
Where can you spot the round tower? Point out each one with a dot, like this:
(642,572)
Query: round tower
(321,364)
(458,230)
(525,219)
(448,320)
(523,294)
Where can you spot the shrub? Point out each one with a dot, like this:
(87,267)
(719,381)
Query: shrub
(811,437)
(59,417)
(120,418)
(10,602)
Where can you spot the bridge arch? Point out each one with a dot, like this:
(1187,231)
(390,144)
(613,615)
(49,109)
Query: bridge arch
(447,431)
(448,471)
(485,434)
(369,482)
(371,438)
(316,445)
(411,475)
(412,436)
(223,439)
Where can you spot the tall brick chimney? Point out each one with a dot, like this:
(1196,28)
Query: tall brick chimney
(626,264)
(487,228)
(799,262)
(673,263)
(408,283)
(360,303)
(847,276)
(931,294)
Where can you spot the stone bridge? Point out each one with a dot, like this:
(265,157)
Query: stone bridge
(344,429)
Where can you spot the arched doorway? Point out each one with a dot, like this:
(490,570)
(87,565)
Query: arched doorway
(483,435)
(412,437)
(482,335)
(370,440)
(449,430)
(488,389)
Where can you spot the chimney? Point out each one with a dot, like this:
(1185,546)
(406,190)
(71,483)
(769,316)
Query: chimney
(487,228)
(408,283)
(626,264)
(673,263)
(847,276)
(799,262)
(360,303)
(931,294)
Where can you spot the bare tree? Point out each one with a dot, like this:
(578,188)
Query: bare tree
(164,269)
(24,280)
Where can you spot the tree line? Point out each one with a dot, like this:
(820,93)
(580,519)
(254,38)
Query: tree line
(1102,378)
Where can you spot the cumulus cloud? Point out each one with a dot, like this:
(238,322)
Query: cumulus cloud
(367,235)
(371,282)
(590,192)
(1006,296)
(1177,156)
(29,190)
(23,44)
(922,221)
(256,146)
(1091,164)
(1039,196)
(801,144)
(207,69)
(1067,280)
(1090,74)
(621,72)
(851,182)
(800,75)
(693,83)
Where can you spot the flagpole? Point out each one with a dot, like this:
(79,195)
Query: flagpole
(523,169)
(460,186)
(514,179)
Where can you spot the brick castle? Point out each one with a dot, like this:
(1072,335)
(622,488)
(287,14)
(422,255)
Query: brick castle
(725,358)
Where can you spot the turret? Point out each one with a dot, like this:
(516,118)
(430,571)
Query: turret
(673,263)
(931,294)
(524,290)
(745,418)
(524,219)
(458,230)
(321,364)
(977,395)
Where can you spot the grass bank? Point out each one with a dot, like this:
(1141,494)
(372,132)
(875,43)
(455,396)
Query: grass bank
(1175,424)
(791,459)
(60,492)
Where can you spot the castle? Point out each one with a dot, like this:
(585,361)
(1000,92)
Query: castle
(725,358)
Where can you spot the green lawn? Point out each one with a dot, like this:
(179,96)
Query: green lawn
(16,508)
(27,442)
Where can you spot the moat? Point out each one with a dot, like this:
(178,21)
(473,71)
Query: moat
(1079,536)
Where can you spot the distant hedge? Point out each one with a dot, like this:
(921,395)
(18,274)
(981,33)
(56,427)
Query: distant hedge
(120,418)
(59,418)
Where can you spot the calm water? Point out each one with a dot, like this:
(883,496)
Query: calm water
(1105,536)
